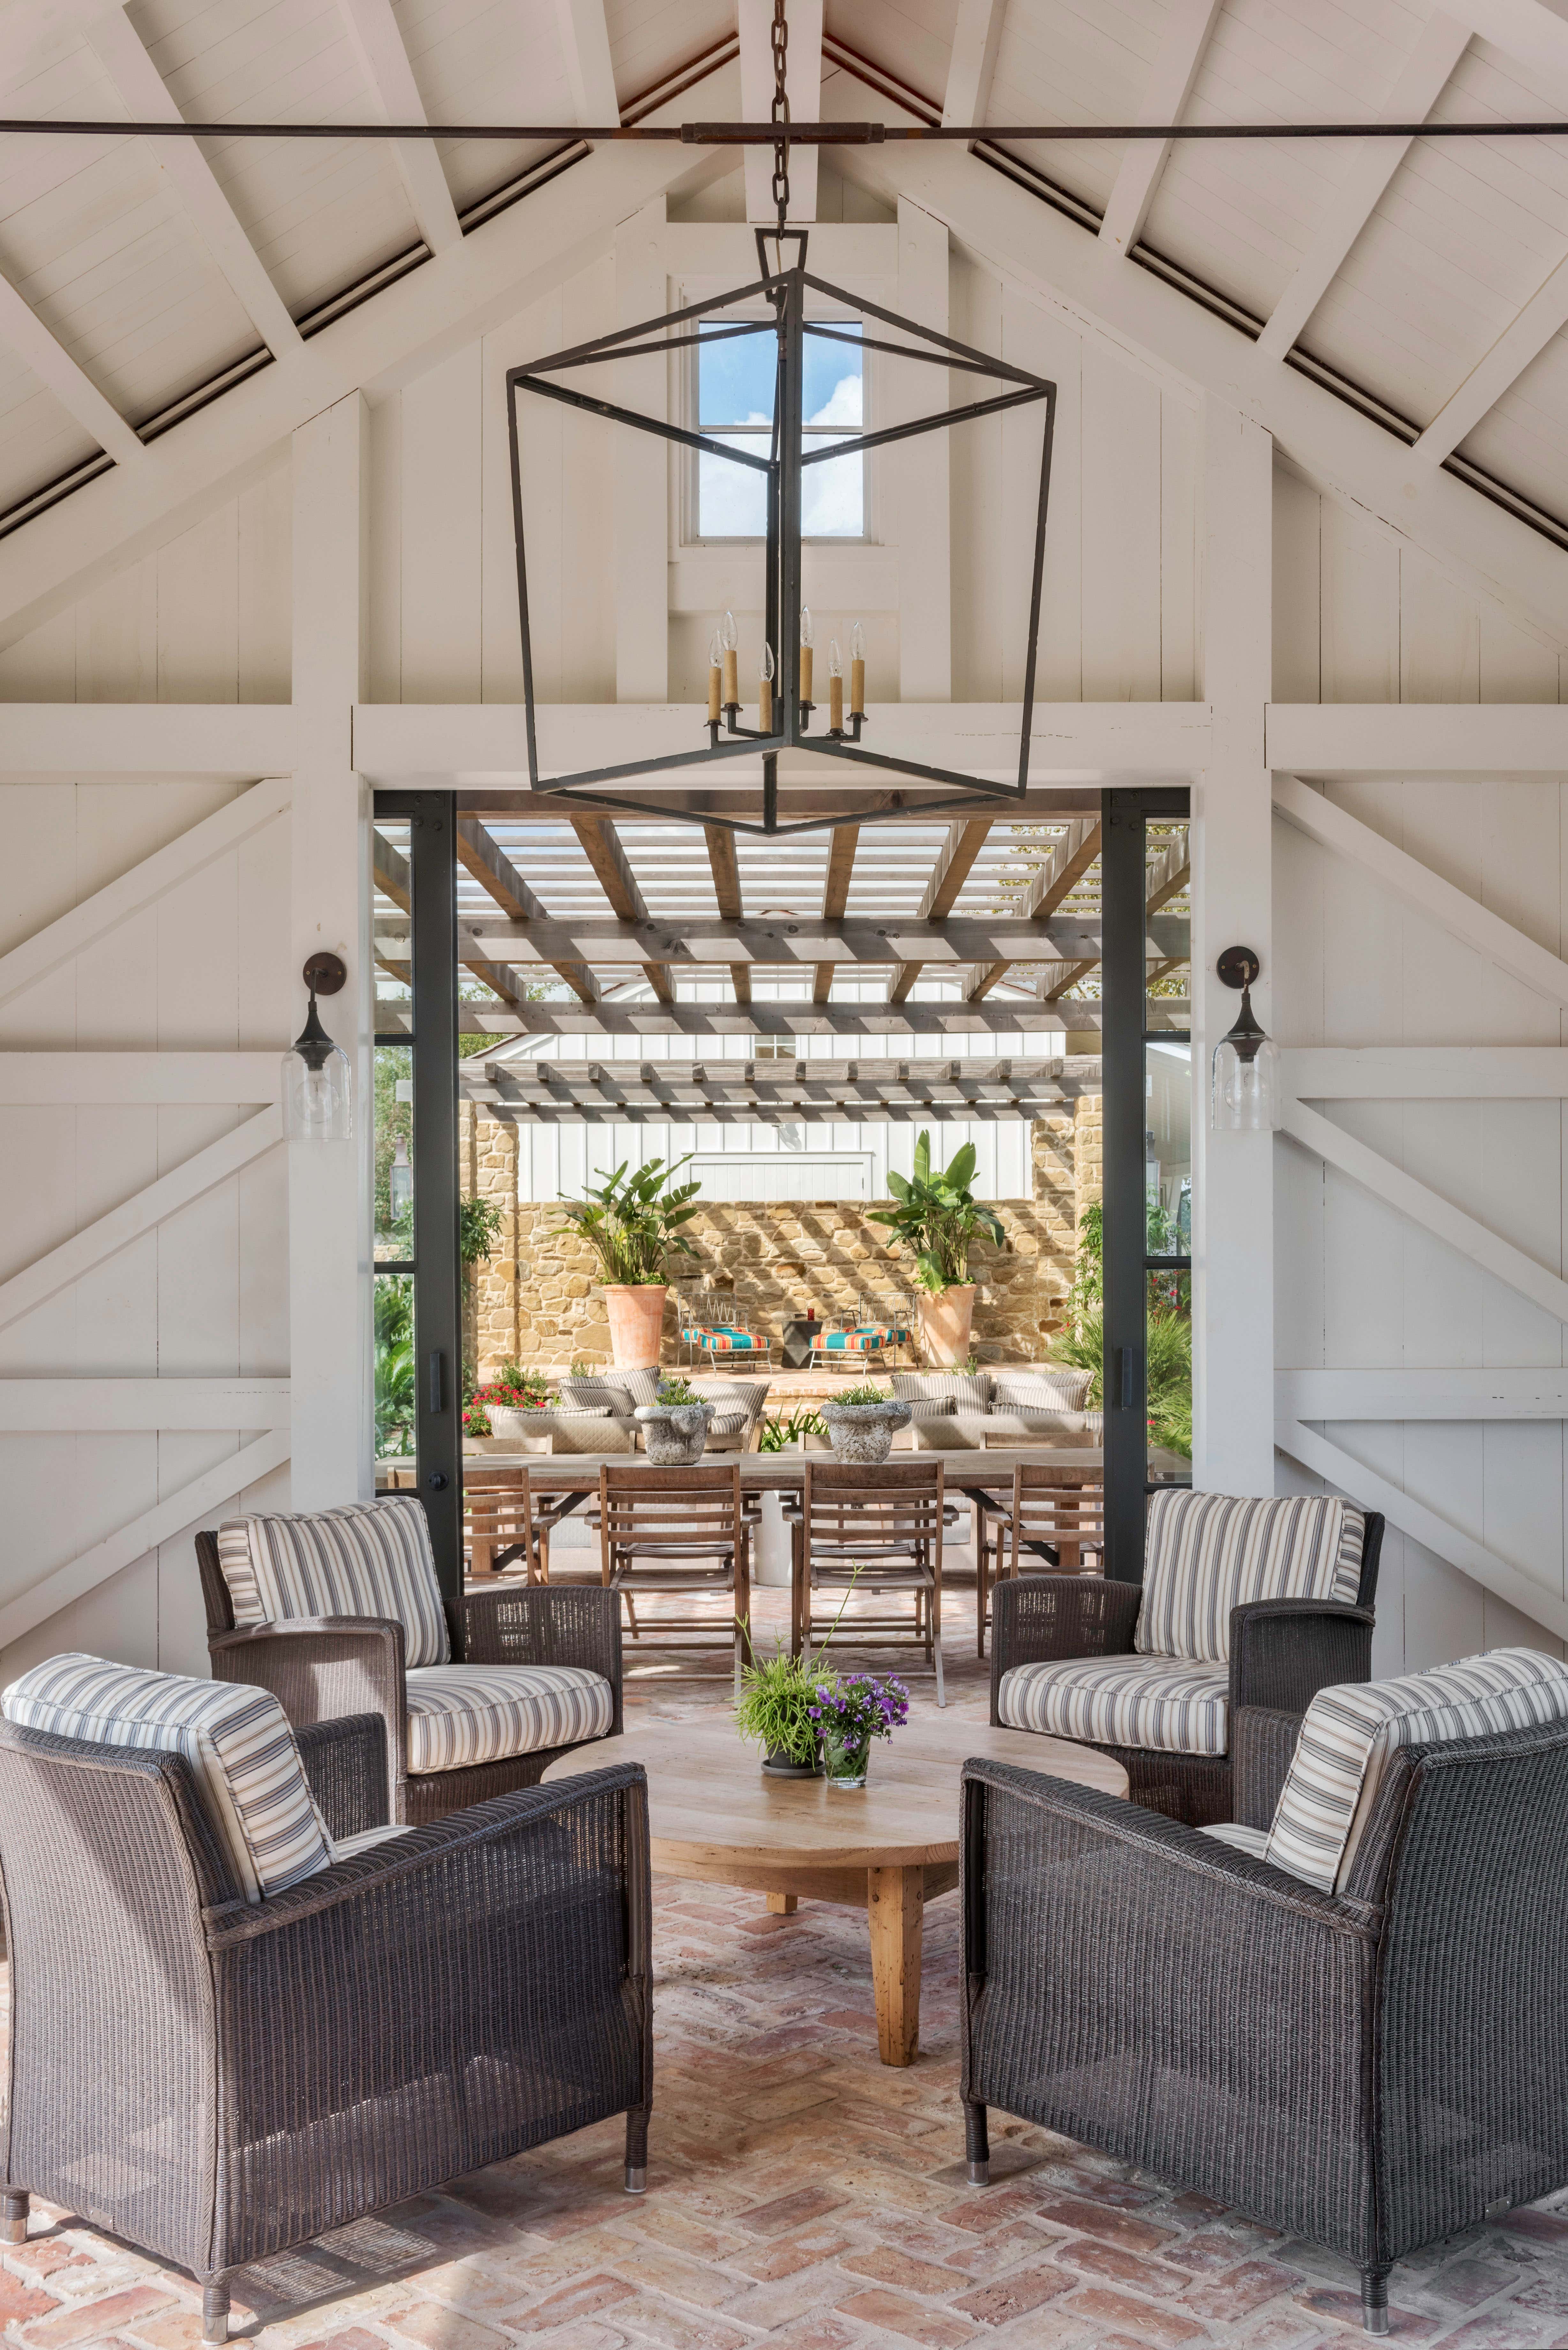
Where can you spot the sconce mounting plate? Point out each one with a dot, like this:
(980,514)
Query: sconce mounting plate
(1237,967)
(325,973)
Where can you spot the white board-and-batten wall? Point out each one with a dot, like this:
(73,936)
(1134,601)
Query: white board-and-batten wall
(211,614)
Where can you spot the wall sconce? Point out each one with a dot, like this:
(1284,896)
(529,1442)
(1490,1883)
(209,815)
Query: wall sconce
(1246,1085)
(318,1088)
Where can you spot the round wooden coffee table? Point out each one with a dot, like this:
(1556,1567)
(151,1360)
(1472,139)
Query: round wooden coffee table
(893,1845)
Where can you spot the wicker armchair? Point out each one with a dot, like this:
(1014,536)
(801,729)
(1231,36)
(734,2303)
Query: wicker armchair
(1372,2068)
(216,2080)
(1279,1654)
(323,1667)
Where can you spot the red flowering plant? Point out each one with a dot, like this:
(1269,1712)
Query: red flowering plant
(513,1388)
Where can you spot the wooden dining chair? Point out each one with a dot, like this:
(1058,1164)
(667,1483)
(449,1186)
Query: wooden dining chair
(877,1530)
(506,1524)
(676,1529)
(1054,1525)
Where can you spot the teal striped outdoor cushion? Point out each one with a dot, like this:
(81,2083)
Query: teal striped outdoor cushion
(1208,1553)
(236,1740)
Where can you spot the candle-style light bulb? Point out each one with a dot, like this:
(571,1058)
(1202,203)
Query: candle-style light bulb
(715,656)
(729,636)
(835,688)
(857,672)
(805,654)
(765,689)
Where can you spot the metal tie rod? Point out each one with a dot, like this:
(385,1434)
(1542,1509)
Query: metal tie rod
(765,134)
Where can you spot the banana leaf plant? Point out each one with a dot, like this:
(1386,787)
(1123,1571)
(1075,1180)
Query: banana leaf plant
(629,1221)
(937,1216)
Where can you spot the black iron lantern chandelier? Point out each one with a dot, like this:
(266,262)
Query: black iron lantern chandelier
(785,708)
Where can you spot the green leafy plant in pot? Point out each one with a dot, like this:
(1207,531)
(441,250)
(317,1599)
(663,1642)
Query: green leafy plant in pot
(936,1216)
(631,1221)
(776,1711)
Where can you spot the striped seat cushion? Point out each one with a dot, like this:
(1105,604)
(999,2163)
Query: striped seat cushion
(460,1714)
(721,1340)
(1349,1732)
(372,1559)
(1208,1553)
(1178,1707)
(855,1342)
(236,1740)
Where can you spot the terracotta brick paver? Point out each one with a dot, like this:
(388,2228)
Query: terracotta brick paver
(801,2197)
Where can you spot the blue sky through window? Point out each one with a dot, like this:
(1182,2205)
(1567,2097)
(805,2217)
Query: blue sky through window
(735,403)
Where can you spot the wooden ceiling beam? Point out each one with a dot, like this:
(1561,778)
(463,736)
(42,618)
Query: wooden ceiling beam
(835,898)
(373,30)
(972,62)
(955,861)
(787,945)
(1060,874)
(724,865)
(482,856)
(605,852)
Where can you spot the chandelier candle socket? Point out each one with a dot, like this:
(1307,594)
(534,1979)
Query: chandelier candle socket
(835,688)
(857,672)
(806,704)
(729,636)
(715,655)
(765,689)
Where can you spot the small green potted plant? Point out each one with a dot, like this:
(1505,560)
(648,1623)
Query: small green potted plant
(787,1435)
(776,1709)
(862,1423)
(936,1217)
(675,1426)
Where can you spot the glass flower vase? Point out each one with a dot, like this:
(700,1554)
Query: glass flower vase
(845,1764)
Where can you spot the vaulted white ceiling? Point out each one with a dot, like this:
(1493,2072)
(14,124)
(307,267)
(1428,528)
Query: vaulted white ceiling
(1425,281)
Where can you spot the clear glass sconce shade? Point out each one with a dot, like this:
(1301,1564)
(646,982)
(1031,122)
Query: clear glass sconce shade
(1246,1088)
(318,1087)
(400,1182)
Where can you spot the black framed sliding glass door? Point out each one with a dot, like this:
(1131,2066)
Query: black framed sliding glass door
(418,1282)
(1147,1048)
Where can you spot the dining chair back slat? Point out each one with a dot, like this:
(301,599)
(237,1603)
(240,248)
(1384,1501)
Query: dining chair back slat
(1054,1524)
(499,1528)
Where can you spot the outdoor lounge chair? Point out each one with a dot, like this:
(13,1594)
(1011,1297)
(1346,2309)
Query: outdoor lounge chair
(1243,1603)
(341,1613)
(238,2025)
(1353,2027)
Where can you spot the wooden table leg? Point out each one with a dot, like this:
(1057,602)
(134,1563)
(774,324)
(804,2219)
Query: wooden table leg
(783,1905)
(895,1907)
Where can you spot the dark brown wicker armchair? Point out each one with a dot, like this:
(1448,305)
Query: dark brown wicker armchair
(1281,1652)
(1372,2069)
(320,1667)
(216,2080)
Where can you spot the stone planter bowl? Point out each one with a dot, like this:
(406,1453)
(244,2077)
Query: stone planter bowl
(674,1433)
(864,1432)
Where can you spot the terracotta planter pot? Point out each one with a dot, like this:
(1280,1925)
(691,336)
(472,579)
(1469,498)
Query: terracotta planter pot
(945,1326)
(636,1312)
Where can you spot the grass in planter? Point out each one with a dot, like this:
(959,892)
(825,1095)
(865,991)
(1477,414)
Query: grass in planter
(868,1392)
(676,1390)
(776,1697)
(777,1434)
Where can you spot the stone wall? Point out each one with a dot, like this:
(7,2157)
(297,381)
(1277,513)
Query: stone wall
(538,1300)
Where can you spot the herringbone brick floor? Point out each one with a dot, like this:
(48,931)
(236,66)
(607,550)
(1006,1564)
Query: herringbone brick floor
(802,2197)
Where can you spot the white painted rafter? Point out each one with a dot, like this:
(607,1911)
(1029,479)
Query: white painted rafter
(1426,1072)
(1397,1392)
(976,37)
(1184,36)
(802,82)
(101,1405)
(1419,83)
(190,176)
(586,55)
(23,332)
(373,29)
(36,1080)
(1522,339)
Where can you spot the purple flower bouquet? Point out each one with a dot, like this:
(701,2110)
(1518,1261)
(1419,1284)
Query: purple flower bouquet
(849,1713)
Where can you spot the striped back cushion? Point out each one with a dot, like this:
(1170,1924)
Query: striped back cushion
(372,1559)
(1208,1552)
(236,1740)
(620,1394)
(1349,1733)
(966,1391)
